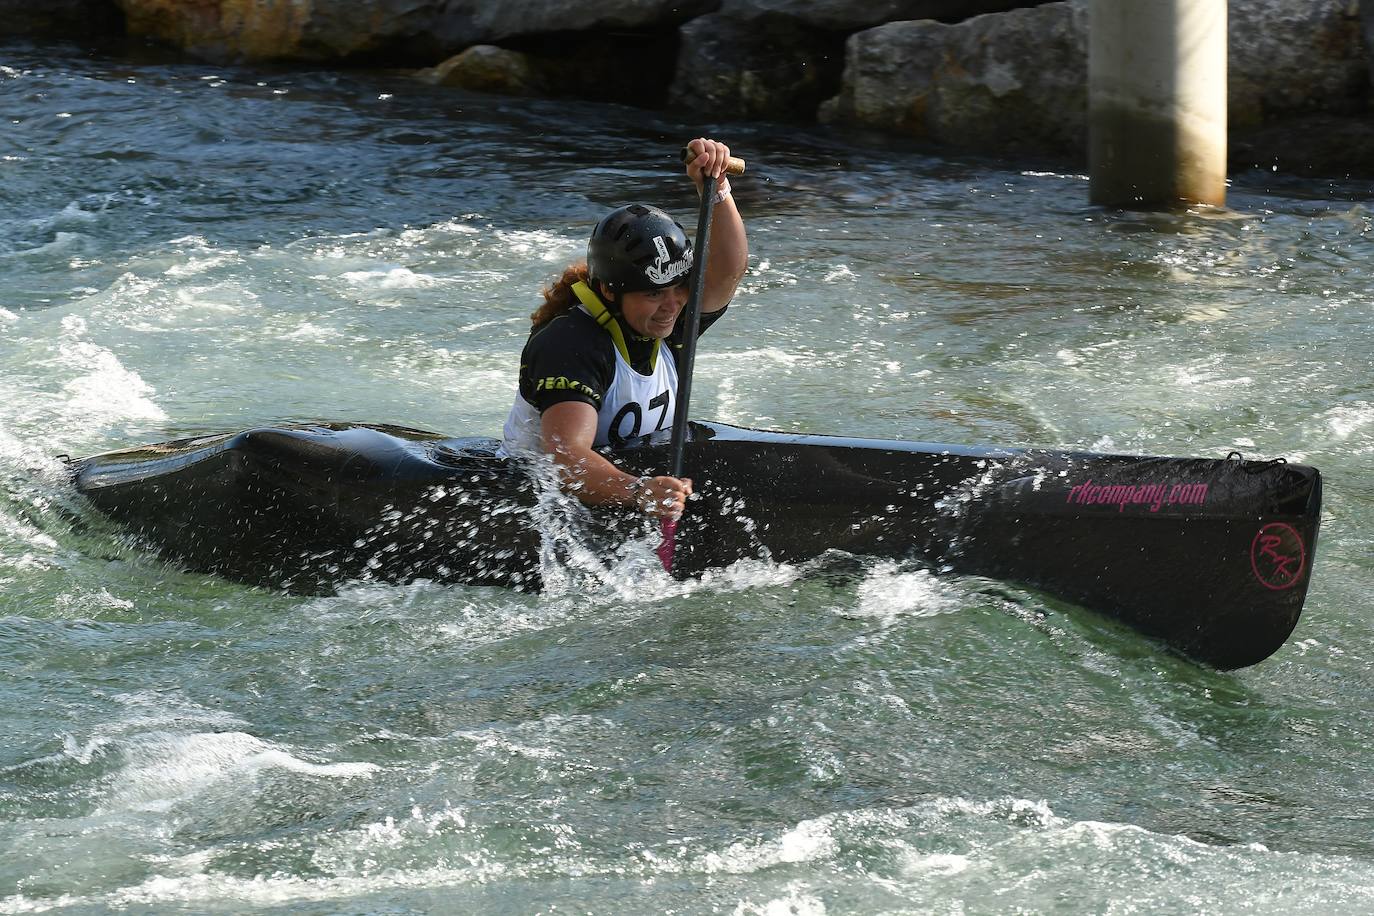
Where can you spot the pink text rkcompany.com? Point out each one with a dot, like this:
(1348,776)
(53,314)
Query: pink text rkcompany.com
(1153,495)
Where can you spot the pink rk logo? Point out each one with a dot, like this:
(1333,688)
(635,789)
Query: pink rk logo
(1277,556)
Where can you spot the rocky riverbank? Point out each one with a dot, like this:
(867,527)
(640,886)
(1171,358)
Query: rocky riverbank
(985,76)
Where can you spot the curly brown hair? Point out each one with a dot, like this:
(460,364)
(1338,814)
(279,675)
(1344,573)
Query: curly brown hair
(559,296)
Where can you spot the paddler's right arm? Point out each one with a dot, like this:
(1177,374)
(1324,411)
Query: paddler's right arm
(568,430)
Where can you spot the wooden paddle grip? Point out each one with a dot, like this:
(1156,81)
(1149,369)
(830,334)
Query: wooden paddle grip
(733,166)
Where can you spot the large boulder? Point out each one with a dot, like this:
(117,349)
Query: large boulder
(852,15)
(396,30)
(244,29)
(1367,17)
(466,21)
(1015,80)
(487,68)
(779,59)
(1290,57)
(735,69)
(61,18)
(601,68)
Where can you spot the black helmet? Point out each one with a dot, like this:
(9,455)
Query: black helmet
(638,248)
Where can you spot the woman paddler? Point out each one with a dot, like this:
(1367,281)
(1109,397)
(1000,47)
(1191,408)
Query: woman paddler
(595,371)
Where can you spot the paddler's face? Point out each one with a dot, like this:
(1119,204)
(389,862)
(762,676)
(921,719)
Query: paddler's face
(653,313)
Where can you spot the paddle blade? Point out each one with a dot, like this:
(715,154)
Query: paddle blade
(668,546)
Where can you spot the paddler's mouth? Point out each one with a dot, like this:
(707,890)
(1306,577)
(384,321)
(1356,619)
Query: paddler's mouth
(661,323)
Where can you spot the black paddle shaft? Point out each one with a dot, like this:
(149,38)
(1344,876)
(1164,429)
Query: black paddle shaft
(701,250)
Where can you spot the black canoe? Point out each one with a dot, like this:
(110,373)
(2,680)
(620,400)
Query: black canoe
(1212,556)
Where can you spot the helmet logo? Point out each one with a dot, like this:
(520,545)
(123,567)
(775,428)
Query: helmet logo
(664,271)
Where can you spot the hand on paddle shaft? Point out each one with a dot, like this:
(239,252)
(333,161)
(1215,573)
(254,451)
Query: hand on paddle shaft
(707,163)
(664,497)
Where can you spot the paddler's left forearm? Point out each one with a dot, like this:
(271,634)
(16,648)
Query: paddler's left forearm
(728,257)
(729,250)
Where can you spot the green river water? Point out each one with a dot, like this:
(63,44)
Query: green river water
(186,249)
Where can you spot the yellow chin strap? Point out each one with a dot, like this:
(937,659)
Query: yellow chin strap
(607,321)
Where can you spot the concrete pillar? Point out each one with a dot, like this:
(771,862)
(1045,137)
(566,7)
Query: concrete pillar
(1157,103)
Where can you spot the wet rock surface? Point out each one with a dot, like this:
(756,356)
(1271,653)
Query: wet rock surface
(60,18)
(1017,80)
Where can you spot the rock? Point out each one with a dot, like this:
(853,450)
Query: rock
(1293,56)
(61,18)
(599,68)
(487,68)
(228,29)
(849,16)
(469,21)
(734,68)
(385,30)
(1010,81)
(1367,18)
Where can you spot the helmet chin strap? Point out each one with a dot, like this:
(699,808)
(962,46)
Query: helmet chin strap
(616,306)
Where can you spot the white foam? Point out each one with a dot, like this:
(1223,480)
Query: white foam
(71,750)
(1017,811)
(259,892)
(167,767)
(1347,419)
(71,214)
(25,533)
(436,613)
(7,315)
(63,243)
(940,864)
(795,902)
(634,575)
(104,391)
(149,710)
(392,278)
(1206,314)
(547,246)
(90,604)
(742,575)
(888,593)
(809,841)
(193,266)
(753,361)
(1207,375)
(478,277)
(361,850)
(976,844)
(232,298)
(447,370)
(23,545)
(520,320)
(453,225)
(309,331)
